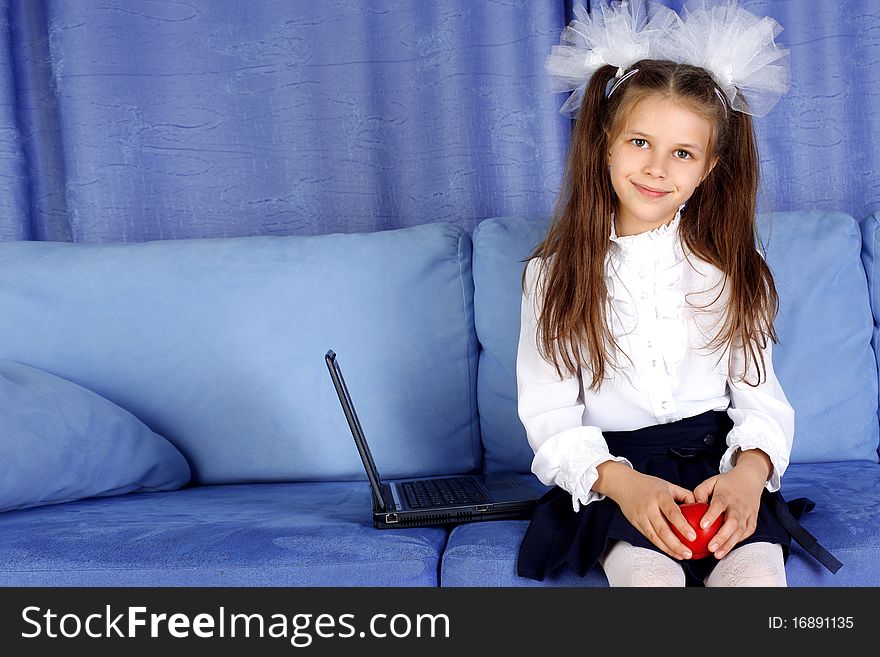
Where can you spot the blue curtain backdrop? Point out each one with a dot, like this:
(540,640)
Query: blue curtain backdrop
(156,119)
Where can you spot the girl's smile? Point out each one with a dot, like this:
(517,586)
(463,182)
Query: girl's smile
(656,163)
(650,192)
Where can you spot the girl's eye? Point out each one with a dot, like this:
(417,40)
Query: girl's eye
(682,154)
(639,143)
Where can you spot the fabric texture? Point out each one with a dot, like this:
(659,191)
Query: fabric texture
(870,251)
(61,442)
(824,358)
(752,564)
(219,344)
(272,117)
(300,534)
(278,117)
(627,565)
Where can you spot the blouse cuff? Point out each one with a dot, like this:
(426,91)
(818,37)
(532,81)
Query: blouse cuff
(757,441)
(570,460)
(578,474)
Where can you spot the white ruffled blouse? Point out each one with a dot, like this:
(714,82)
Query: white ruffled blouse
(664,307)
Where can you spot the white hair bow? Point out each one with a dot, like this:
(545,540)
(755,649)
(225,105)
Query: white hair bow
(735,47)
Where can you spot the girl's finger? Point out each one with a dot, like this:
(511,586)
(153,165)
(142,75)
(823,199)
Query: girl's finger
(669,542)
(746,529)
(683,495)
(676,518)
(652,536)
(731,543)
(648,532)
(703,492)
(729,530)
(716,508)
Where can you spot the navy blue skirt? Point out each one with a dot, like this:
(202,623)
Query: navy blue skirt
(686,452)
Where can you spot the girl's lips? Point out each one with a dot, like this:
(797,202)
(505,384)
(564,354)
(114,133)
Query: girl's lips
(647,192)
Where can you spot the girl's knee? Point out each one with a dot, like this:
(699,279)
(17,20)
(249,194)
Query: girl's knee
(628,565)
(753,564)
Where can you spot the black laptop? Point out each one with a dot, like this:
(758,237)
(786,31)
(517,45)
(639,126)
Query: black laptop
(436,500)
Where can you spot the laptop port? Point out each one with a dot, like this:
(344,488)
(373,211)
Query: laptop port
(482,507)
(391,518)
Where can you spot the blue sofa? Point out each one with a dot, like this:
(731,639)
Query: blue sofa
(169,419)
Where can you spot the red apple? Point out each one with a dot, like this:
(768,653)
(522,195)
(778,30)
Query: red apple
(693,513)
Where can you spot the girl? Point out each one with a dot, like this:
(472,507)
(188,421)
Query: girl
(644,368)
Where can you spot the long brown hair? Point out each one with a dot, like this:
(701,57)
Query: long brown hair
(717,226)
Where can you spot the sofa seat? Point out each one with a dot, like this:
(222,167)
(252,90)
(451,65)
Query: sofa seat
(301,534)
(845,520)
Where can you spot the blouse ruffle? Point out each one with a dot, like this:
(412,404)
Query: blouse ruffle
(645,306)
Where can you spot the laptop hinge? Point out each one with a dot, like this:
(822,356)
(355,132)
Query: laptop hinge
(386,502)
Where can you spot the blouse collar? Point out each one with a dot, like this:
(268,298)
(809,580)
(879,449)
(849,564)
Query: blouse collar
(652,243)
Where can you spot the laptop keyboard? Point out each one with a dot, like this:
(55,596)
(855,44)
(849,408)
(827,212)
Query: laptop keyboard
(441,492)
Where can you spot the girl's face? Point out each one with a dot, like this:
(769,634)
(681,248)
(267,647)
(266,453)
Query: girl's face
(656,163)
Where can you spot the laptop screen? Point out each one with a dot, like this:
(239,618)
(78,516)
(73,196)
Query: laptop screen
(355,426)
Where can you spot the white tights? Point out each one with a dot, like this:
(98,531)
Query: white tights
(752,564)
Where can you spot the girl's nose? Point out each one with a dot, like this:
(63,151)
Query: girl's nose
(656,165)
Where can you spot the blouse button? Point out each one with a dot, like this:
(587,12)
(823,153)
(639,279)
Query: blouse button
(644,295)
(664,404)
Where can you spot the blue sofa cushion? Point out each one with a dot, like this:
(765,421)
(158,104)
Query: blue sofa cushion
(870,228)
(218,344)
(824,358)
(60,442)
(301,534)
(500,246)
(845,520)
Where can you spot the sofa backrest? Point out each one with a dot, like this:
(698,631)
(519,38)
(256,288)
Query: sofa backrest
(824,359)
(218,345)
(825,363)
(870,228)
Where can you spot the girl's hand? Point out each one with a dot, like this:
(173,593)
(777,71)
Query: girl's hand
(649,503)
(736,494)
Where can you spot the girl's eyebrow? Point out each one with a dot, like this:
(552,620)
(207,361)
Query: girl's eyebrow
(693,147)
